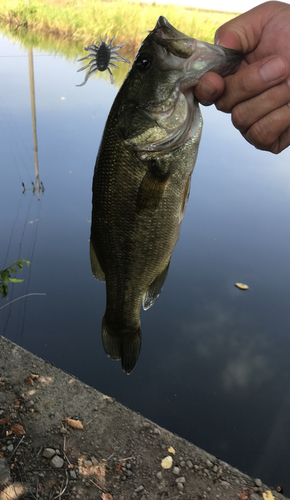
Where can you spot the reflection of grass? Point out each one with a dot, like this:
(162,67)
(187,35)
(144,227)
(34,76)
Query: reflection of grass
(66,26)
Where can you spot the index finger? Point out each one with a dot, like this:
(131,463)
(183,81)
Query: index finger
(252,80)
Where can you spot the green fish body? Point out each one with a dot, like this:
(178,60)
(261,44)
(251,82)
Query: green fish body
(142,178)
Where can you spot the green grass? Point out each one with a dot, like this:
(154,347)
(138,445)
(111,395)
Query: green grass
(66,26)
(86,20)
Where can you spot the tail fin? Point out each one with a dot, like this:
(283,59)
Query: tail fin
(122,344)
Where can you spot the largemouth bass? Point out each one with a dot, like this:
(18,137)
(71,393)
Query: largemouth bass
(142,177)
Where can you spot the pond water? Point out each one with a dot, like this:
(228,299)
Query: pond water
(214,365)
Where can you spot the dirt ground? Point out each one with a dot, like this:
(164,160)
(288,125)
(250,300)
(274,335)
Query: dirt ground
(61,439)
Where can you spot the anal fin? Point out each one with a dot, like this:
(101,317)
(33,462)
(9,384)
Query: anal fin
(154,290)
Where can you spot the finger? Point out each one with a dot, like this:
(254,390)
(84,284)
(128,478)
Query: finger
(252,80)
(209,88)
(244,32)
(271,133)
(246,113)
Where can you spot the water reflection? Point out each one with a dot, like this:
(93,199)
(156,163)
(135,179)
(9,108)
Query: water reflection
(214,366)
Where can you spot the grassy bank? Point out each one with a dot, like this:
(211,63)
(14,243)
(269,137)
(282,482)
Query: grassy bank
(85,20)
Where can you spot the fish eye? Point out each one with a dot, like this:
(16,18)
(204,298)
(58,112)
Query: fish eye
(143,61)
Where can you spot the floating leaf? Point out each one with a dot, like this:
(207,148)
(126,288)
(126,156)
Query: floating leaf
(76,424)
(167,462)
(267,495)
(171,450)
(242,286)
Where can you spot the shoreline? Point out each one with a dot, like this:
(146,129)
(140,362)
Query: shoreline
(105,451)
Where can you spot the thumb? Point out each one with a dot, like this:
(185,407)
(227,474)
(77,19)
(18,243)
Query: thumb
(244,32)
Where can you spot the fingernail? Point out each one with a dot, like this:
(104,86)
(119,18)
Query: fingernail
(272,70)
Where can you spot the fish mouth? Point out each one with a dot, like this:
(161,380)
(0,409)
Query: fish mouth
(176,118)
(178,115)
(193,55)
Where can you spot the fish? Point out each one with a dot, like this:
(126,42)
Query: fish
(142,177)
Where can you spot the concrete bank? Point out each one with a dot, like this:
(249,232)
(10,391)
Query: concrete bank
(61,439)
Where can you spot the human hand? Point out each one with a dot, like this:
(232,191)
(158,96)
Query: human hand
(258,94)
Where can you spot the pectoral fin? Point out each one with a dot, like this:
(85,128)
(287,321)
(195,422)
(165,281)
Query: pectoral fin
(154,290)
(95,265)
(151,191)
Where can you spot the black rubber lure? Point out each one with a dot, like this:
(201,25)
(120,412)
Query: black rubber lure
(101,58)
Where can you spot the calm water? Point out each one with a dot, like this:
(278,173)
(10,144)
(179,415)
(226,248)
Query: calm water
(214,365)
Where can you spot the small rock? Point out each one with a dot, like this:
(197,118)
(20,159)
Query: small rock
(215,469)
(180,479)
(225,484)
(258,482)
(156,430)
(48,453)
(128,465)
(57,462)
(182,463)
(140,488)
(176,470)
(72,474)
(88,463)
(180,486)
(10,447)
(254,496)
(129,473)
(63,430)
(189,464)
(208,463)
(94,461)
(159,475)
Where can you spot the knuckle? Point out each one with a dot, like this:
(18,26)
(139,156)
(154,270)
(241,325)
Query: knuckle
(240,117)
(221,105)
(261,136)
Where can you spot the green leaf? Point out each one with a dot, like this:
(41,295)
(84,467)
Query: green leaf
(5,275)
(12,269)
(19,264)
(25,261)
(4,290)
(14,280)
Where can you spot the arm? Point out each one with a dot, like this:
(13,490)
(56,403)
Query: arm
(258,94)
